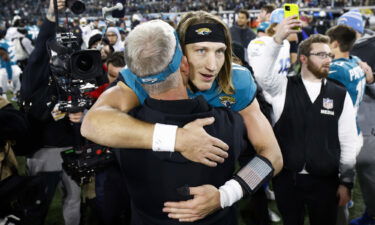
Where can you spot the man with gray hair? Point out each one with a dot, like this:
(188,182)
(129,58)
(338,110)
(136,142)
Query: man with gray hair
(154,58)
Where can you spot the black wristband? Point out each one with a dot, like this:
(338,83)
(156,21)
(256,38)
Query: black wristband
(254,174)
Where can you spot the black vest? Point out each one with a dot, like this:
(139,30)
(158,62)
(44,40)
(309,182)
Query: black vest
(308,132)
(155,177)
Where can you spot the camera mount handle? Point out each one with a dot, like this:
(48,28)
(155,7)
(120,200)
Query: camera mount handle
(107,10)
(118,6)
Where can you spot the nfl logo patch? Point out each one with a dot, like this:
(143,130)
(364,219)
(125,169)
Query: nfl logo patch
(327,103)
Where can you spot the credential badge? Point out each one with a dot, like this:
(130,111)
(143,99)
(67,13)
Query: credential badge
(327,103)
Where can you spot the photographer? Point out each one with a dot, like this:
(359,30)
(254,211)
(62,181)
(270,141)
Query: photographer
(53,129)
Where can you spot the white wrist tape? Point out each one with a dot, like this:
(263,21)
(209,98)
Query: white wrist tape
(230,193)
(164,138)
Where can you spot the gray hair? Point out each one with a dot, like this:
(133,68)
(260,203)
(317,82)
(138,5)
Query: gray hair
(149,49)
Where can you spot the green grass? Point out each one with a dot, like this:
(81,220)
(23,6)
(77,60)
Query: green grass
(55,217)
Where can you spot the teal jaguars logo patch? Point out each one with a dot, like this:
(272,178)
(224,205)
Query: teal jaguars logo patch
(227,101)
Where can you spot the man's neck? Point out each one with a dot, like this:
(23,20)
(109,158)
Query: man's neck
(339,55)
(178,93)
(308,75)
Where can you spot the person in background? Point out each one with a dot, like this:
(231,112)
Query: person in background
(241,31)
(114,37)
(259,50)
(53,129)
(364,48)
(9,72)
(261,29)
(265,13)
(115,63)
(314,122)
(348,70)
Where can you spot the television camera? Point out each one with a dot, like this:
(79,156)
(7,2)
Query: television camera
(75,72)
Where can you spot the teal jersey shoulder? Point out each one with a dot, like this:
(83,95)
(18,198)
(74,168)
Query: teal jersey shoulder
(244,84)
(348,72)
(244,93)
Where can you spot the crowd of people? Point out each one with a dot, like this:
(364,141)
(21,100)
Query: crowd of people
(35,9)
(181,104)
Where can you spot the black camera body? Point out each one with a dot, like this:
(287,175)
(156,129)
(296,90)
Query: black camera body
(82,165)
(74,71)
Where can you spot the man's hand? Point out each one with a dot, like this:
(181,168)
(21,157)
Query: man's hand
(344,195)
(206,201)
(193,142)
(51,11)
(368,72)
(285,28)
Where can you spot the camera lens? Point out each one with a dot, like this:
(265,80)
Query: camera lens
(77,7)
(287,8)
(84,63)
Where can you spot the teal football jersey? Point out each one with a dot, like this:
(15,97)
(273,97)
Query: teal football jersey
(349,73)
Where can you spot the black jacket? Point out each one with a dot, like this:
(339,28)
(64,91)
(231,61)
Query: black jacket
(364,48)
(156,177)
(35,89)
(242,35)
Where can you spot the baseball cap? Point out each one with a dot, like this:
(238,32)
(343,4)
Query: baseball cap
(263,26)
(277,16)
(352,19)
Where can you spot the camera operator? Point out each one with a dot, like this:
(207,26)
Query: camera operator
(55,128)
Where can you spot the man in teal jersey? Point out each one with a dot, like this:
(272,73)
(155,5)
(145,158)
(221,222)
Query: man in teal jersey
(209,68)
(345,68)
(353,74)
(364,48)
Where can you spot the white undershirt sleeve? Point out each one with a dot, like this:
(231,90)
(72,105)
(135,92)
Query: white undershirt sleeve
(348,140)
(263,54)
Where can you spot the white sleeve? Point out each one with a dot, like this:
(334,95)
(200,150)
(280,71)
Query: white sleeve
(28,45)
(348,140)
(16,70)
(263,54)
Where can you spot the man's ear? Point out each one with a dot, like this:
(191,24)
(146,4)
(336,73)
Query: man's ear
(334,44)
(303,59)
(184,67)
